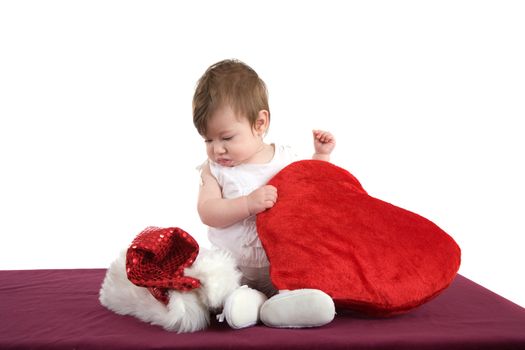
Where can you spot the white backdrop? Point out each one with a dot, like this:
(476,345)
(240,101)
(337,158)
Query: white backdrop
(97,142)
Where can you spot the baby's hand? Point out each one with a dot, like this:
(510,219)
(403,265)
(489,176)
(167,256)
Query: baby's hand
(261,199)
(324,142)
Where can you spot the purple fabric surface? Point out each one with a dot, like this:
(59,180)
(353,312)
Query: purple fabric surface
(59,309)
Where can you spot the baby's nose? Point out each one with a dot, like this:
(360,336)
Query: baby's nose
(219,149)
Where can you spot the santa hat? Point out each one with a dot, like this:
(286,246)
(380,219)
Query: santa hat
(157,258)
(157,266)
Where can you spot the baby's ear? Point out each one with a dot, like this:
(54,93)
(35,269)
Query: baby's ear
(262,122)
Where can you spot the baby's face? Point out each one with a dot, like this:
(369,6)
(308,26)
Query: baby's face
(230,139)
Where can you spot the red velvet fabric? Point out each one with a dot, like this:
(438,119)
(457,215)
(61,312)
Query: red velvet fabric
(326,232)
(59,310)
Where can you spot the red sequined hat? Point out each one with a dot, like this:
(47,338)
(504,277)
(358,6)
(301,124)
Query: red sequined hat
(156,260)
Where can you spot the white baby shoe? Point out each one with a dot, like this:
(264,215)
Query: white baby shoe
(299,308)
(242,307)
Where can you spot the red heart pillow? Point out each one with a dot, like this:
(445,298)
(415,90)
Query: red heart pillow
(326,232)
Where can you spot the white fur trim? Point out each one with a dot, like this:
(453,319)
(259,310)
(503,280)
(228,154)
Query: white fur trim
(216,269)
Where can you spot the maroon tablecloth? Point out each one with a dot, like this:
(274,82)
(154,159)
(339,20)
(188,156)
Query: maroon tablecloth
(59,309)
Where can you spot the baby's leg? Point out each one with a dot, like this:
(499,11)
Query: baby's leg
(258,278)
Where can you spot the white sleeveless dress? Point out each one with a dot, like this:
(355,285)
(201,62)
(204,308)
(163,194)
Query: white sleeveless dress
(241,238)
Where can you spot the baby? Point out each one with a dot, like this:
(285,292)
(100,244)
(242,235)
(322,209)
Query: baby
(231,113)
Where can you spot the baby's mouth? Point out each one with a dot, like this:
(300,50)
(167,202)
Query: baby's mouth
(225,162)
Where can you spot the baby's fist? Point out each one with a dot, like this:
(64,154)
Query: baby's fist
(261,199)
(324,142)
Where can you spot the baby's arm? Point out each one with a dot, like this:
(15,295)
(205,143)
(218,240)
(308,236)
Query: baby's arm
(216,211)
(324,143)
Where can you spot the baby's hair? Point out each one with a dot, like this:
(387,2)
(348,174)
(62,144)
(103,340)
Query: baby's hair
(229,82)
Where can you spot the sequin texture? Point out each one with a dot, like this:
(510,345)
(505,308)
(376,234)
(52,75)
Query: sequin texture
(156,259)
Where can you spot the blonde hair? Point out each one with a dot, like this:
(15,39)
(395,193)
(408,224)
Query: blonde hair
(229,82)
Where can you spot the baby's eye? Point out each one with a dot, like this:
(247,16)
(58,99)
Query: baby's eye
(207,141)
(227,138)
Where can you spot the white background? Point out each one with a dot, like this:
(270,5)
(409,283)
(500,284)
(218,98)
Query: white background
(426,99)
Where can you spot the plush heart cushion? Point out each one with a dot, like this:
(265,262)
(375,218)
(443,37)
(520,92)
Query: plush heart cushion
(326,232)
